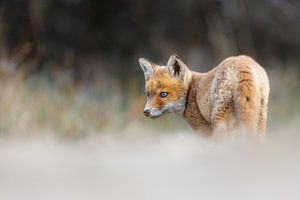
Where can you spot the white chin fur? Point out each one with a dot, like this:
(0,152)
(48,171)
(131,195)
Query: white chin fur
(155,112)
(177,108)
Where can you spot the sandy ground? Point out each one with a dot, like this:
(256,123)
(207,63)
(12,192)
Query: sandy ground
(146,166)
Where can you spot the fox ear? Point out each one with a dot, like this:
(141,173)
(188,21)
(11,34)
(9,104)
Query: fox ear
(176,67)
(148,67)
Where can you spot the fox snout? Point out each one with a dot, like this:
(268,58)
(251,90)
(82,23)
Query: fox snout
(147,112)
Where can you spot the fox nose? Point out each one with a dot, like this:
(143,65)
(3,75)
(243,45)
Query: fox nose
(147,112)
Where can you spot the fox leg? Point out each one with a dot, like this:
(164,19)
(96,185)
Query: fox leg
(247,103)
(247,112)
(262,119)
(219,121)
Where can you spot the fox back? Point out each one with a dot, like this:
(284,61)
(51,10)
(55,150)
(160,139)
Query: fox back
(232,95)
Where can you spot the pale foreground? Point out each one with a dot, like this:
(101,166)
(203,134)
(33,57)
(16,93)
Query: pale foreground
(144,166)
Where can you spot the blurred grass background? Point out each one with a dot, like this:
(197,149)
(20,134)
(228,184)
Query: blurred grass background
(72,96)
(70,67)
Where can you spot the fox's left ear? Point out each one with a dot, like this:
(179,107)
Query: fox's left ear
(148,67)
(176,66)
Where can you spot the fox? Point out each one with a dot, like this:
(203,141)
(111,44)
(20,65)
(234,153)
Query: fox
(232,95)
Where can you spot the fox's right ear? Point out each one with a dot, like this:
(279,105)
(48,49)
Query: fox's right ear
(176,67)
(148,67)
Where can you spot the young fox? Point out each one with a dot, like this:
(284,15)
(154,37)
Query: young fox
(233,94)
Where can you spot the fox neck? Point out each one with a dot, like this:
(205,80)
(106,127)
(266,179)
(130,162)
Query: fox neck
(192,112)
(180,105)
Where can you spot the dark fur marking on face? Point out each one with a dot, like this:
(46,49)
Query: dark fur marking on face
(159,84)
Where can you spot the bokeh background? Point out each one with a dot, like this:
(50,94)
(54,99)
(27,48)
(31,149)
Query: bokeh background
(71,99)
(71,65)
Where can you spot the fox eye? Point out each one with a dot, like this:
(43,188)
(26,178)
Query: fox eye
(163,94)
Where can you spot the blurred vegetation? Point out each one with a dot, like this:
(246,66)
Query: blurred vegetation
(33,106)
(71,66)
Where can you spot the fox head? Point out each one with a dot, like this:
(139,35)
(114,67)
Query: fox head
(166,86)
